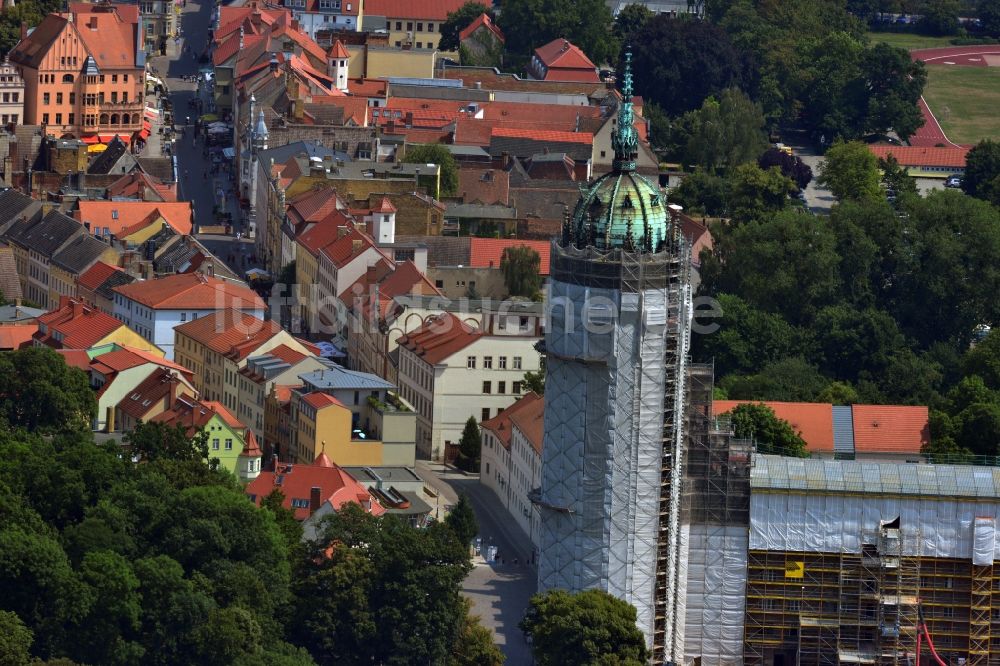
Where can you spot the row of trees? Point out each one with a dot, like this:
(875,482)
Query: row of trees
(105,561)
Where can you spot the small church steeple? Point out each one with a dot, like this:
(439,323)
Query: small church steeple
(625,140)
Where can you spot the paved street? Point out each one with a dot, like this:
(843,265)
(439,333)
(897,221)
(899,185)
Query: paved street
(196,183)
(499,593)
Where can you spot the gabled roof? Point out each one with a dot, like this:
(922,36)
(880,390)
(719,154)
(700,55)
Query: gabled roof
(96,275)
(287,354)
(812,420)
(16,336)
(77,325)
(488,252)
(544,135)
(80,254)
(319,400)
(32,49)
(14,204)
(296,482)
(563,58)
(10,283)
(106,161)
(337,377)
(439,337)
(122,216)
(191,291)
(108,39)
(140,185)
(48,235)
(918,156)
(890,428)
(320,235)
(481,21)
(125,357)
(231,333)
(500,425)
(434,10)
(343,250)
(530,420)
(116,279)
(158,385)
(338,50)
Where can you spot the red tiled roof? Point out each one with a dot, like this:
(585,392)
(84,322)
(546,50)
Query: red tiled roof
(283,392)
(527,414)
(890,428)
(15,336)
(95,276)
(296,482)
(562,58)
(338,50)
(160,384)
(439,337)
(78,325)
(385,207)
(486,186)
(483,20)
(488,252)
(319,400)
(129,357)
(434,10)
(76,358)
(118,216)
(191,291)
(230,332)
(320,235)
(227,416)
(543,135)
(812,420)
(343,250)
(287,354)
(111,41)
(918,156)
(323,460)
(250,448)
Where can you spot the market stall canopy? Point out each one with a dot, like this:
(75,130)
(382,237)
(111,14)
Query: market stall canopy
(97,147)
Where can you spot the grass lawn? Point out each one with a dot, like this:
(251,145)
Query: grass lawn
(908,40)
(965,101)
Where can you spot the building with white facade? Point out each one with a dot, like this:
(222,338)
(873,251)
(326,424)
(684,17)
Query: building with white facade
(153,308)
(11,95)
(325,15)
(450,371)
(511,460)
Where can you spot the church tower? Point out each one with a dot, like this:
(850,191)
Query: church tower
(616,352)
(338,59)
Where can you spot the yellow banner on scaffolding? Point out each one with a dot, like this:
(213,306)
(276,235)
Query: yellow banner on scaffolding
(795,569)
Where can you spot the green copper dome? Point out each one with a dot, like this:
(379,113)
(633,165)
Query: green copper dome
(620,209)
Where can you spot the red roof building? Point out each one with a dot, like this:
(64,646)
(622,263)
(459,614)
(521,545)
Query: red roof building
(439,337)
(560,60)
(191,291)
(433,10)
(488,252)
(308,487)
(122,218)
(890,428)
(482,22)
(75,325)
(17,336)
(920,158)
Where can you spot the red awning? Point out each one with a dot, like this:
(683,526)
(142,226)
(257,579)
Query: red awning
(149,114)
(106,138)
(93,138)
(147,126)
(144,134)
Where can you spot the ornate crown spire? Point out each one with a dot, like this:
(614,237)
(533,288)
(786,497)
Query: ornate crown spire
(625,141)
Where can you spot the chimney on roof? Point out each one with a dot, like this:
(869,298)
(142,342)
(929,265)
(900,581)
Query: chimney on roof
(370,273)
(77,308)
(505,160)
(92,23)
(314,501)
(343,231)
(478,85)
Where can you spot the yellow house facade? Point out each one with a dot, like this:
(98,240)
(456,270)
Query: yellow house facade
(322,424)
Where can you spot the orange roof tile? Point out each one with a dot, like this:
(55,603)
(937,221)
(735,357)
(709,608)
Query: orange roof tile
(563,58)
(108,39)
(918,156)
(297,481)
(890,428)
(812,420)
(227,416)
(527,414)
(343,250)
(338,50)
(129,357)
(160,384)
(75,326)
(488,252)
(16,336)
(283,392)
(320,235)
(76,358)
(319,400)
(484,21)
(191,291)
(543,135)
(287,354)
(95,276)
(120,215)
(486,186)
(230,332)
(250,448)
(439,337)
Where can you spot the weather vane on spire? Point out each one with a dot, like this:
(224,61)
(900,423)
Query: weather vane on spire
(625,141)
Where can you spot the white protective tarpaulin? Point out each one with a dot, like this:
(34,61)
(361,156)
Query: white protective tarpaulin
(984,541)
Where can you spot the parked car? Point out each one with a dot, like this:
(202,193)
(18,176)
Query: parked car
(954,180)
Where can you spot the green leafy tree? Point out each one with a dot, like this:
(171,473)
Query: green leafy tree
(38,391)
(756,193)
(982,171)
(724,132)
(850,171)
(15,640)
(704,192)
(839,393)
(989,15)
(475,645)
(896,177)
(679,64)
(587,628)
(759,423)
(168,626)
(659,122)
(535,381)
(521,267)
(114,620)
(470,446)
(529,24)
(436,153)
(983,360)
(462,520)
(894,83)
(850,340)
(458,21)
(788,380)
(629,21)
(158,441)
(939,17)
(228,635)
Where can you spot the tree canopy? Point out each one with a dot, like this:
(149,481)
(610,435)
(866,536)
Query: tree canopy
(38,391)
(850,171)
(771,434)
(982,171)
(436,153)
(529,24)
(458,21)
(588,628)
(521,266)
(470,446)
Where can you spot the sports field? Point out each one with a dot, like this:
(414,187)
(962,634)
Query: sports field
(965,101)
(907,40)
